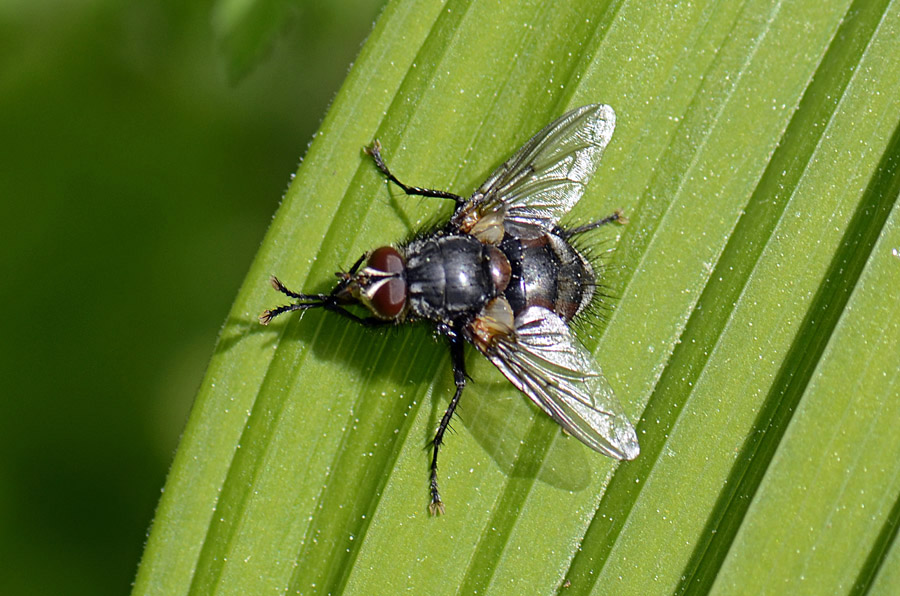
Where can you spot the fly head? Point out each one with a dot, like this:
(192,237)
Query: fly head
(379,286)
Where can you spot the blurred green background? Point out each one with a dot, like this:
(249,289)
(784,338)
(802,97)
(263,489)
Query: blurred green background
(137,177)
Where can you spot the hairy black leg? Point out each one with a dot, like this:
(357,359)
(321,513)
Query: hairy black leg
(459,377)
(326,301)
(310,301)
(276,283)
(364,321)
(375,152)
(354,268)
(616,216)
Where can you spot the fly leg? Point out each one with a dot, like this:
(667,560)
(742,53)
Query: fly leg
(617,215)
(459,377)
(308,301)
(375,152)
(364,321)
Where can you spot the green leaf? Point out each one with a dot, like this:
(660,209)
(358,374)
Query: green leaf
(755,334)
(245,30)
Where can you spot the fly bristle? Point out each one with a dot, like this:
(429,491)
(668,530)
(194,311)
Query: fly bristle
(596,313)
(434,225)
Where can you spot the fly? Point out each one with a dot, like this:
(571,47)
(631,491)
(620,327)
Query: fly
(502,275)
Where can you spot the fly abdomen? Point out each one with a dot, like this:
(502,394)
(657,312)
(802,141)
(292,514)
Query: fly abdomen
(547,271)
(453,276)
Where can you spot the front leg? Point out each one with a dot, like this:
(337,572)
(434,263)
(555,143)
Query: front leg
(459,377)
(328,302)
(364,321)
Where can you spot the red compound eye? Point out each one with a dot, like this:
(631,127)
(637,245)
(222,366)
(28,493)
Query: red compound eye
(387,259)
(389,298)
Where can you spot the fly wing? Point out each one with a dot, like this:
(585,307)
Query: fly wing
(547,176)
(545,361)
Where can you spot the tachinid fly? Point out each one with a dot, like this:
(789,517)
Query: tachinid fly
(503,276)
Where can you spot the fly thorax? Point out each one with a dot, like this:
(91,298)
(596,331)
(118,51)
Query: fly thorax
(452,276)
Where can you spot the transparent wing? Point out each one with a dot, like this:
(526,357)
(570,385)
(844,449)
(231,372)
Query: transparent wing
(545,361)
(547,176)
